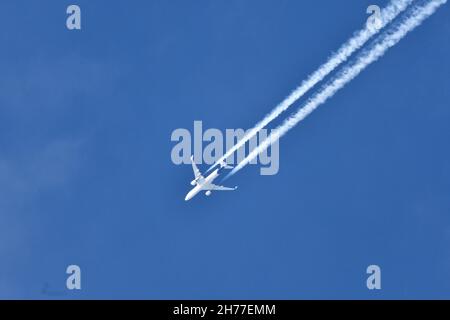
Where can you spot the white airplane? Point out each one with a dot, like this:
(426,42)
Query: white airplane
(205,184)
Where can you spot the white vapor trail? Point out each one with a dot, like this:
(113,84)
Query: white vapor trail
(345,51)
(414,18)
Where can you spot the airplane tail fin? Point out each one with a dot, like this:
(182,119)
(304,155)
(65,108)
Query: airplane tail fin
(223,164)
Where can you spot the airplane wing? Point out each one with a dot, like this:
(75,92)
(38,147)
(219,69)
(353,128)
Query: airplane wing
(215,187)
(197,172)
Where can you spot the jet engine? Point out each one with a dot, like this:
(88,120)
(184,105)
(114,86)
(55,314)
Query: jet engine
(208,193)
(193,182)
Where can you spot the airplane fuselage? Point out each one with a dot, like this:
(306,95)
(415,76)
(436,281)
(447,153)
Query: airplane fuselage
(200,184)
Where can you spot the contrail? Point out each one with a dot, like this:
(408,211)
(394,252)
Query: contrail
(414,18)
(345,51)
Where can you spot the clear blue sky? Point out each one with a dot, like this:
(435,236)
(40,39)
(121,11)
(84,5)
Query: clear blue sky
(86,176)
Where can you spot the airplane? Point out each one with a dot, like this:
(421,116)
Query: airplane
(201,183)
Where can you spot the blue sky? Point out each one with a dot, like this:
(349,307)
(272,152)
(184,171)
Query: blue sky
(86,176)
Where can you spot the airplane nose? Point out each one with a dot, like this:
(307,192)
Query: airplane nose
(190,195)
